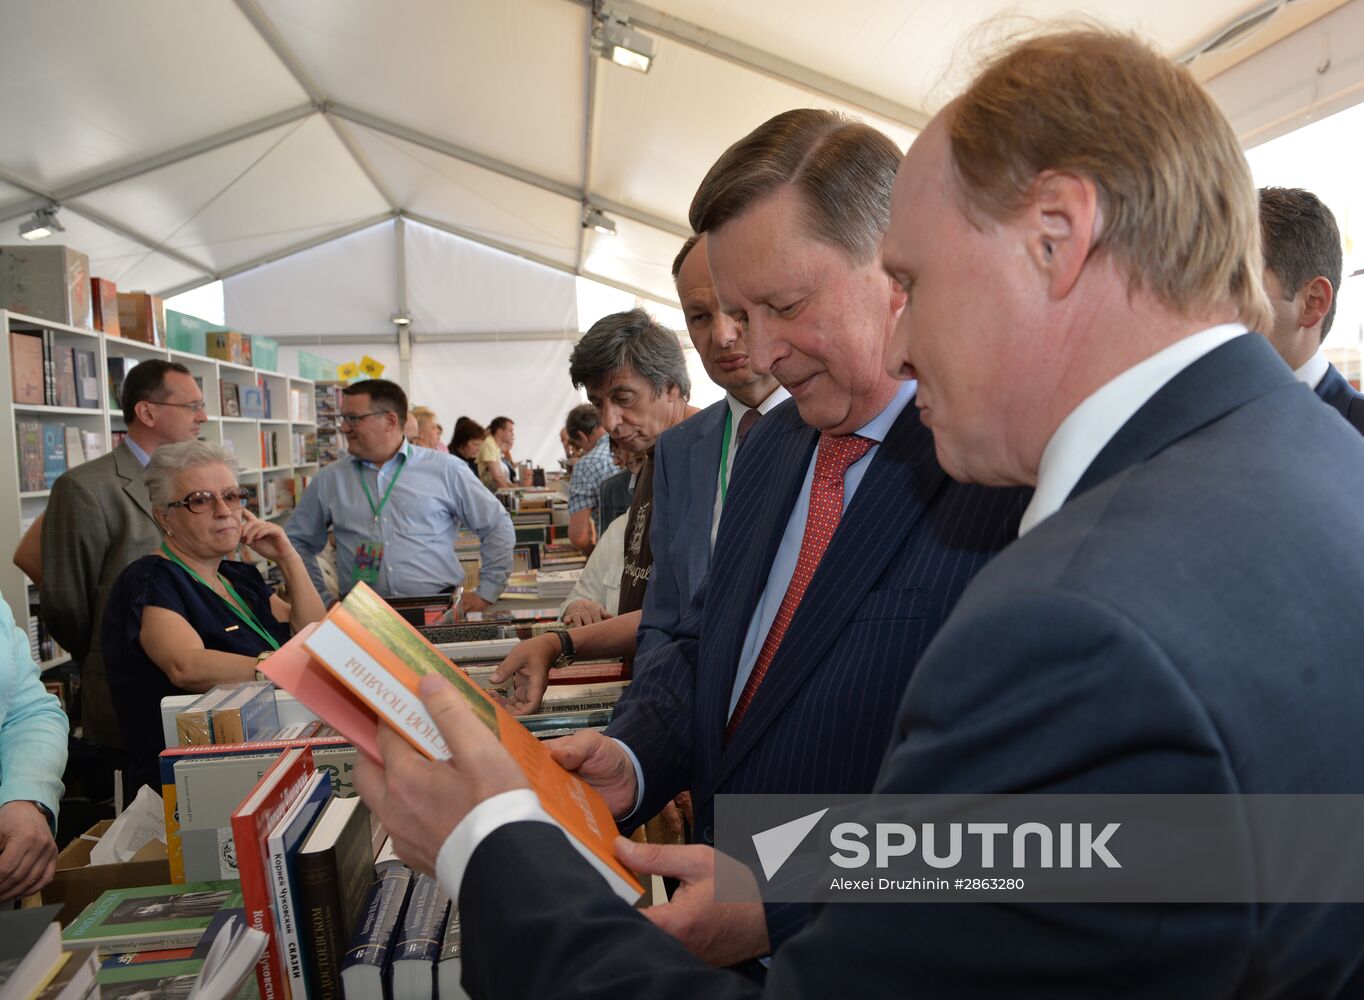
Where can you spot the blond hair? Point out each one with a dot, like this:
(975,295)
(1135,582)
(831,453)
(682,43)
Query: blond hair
(1179,207)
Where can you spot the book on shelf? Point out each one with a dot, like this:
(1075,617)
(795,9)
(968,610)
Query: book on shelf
(219,966)
(54,453)
(231,398)
(450,965)
(363,649)
(252,822)
(335,870)
(93,442)
(74,445)
(30,435)
(49,282)
(246,715)
(417,947)
(285,841)
(366,967)
(104,306)
(87,380)
(66,376)
(142,317)
(26,368)
(150,917)
(30,951)
(253,404)
(194,724)
(118,368)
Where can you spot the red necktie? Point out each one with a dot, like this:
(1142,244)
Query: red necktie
(746,423)
(836,456)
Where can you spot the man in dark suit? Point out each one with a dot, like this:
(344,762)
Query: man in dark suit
(99,519)
(1303,268)
(842,547)
(1146,634)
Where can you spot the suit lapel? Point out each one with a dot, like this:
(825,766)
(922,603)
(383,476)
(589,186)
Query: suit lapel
(1334,390)
(898,487)
(134,485)
(750,533)
(1217,383)
(704,463)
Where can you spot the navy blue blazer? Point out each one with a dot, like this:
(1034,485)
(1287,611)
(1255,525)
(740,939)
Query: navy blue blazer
(1334,389)
(909,542)
(1186,622)
(686,468)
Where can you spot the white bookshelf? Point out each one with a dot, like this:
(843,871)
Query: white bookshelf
(243,433)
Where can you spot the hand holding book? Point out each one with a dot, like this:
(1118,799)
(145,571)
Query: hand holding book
(419,800)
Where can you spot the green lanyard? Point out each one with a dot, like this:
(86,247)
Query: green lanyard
(724,456)
(376,511)
(239,608)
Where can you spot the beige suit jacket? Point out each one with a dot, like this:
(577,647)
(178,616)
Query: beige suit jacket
(98,520)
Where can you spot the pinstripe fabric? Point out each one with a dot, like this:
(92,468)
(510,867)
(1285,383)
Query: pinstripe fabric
(907,545)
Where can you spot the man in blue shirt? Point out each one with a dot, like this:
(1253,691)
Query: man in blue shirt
(584,428)
(33,731)
(394,510)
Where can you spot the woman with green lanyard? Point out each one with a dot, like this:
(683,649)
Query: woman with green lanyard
(188,616)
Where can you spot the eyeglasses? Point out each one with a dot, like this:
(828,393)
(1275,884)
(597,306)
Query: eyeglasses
(198,406)
(351,419)
(202,500)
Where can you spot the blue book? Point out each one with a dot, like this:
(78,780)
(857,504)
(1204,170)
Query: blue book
(54,453)
(419,941)
(252,406)
(285,841)
(366,967)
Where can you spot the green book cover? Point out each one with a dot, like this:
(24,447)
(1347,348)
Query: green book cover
(151,916)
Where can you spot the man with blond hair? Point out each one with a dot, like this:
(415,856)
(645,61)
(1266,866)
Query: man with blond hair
(1078,239)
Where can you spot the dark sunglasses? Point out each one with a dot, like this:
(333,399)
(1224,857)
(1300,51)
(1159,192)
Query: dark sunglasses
(202,500)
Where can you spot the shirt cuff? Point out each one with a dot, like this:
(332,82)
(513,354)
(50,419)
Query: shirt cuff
(517,806)
(639,779)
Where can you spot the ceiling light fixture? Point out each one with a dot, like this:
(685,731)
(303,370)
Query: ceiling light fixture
(43,224)
(400,319)
(598,221)
(614,39)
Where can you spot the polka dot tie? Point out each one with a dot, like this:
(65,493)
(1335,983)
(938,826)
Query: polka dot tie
(836,456)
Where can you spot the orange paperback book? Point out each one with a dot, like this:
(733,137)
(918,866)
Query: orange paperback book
(380,659)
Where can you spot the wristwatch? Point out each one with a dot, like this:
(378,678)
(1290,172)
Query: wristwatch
(566,651)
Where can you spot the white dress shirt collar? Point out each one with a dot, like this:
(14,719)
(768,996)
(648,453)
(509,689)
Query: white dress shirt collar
(1313,370)
(738,409)
(1091,425)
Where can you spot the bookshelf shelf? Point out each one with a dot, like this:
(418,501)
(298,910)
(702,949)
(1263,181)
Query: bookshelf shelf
(288,395)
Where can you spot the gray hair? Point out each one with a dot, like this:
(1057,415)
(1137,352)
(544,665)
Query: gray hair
(635,339)
(170,460)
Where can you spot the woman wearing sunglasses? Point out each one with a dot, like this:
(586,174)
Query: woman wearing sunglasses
(188,616)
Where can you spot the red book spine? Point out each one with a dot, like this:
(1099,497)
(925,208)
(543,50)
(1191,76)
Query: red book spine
(251,828)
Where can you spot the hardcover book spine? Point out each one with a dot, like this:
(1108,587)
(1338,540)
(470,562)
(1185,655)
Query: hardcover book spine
(322,923)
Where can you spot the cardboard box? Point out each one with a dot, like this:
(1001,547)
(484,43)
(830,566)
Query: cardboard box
(48,282)
(104,305)
(78,883)
(142,317)
(229,345)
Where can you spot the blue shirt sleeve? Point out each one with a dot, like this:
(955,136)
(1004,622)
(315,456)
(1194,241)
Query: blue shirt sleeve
(33,727)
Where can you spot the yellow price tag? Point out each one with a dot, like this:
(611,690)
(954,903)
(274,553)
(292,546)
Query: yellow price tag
(371,367)
(347,371)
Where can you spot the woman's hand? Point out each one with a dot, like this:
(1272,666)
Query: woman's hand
(266,538)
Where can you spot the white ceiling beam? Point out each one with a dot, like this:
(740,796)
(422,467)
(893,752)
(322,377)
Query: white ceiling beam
(170,157)
(534,258)
(759,61)
(1265,25)
(386,127)
(589,118)
(280,254)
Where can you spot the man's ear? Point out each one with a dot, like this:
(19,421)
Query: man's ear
(1062,223)
(1317,296)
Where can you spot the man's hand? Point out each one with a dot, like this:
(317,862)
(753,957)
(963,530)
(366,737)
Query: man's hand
(584,612)
(472,602)
(719,933)
(528,667)
(420,801)
(28,854)
(600,762)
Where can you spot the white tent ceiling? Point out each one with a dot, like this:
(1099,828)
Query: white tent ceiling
(189,140)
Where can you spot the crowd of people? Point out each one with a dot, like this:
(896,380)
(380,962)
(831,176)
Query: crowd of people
(1030,476)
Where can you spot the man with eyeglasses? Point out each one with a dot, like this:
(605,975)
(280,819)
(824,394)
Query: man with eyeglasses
(395,510)
(99,519)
